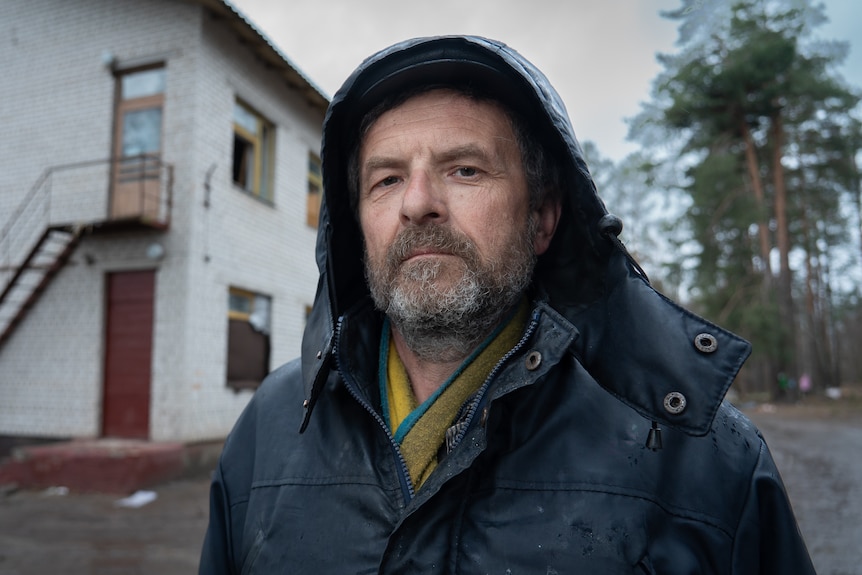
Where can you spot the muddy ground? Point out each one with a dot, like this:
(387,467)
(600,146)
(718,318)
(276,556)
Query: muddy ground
(818,449)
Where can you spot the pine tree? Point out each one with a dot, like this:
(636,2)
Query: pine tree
(767,142)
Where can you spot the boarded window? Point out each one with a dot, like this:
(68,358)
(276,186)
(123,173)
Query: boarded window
(248,338)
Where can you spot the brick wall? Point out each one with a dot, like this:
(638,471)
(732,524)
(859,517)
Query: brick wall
(57,108)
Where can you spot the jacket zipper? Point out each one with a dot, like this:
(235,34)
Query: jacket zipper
(480,398)
(404,475)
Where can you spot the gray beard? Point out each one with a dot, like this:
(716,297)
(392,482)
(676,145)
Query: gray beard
(446,323)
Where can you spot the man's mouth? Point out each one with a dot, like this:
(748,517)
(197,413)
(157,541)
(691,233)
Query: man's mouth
(422,252)
(427,252)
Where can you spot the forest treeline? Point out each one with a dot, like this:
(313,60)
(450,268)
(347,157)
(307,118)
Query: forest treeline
(744,200)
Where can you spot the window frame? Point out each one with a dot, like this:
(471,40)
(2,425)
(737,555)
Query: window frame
(136,188)
(263,152)
(314,194)
(252,338)
(245,294)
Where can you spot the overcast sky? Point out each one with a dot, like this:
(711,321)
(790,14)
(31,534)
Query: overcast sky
(599,54)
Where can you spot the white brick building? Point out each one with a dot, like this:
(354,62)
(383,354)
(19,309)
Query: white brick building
(175,148)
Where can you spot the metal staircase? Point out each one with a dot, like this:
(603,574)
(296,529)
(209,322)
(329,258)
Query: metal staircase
(38,239)
(32,276)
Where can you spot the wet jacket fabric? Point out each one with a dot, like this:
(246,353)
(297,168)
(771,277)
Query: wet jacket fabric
(599,444)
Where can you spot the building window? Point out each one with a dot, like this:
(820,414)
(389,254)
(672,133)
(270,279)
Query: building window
(315,189)
(248,338)
(137,150)
(252,151)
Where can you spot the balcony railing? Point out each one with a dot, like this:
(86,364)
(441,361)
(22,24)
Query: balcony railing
(114,193)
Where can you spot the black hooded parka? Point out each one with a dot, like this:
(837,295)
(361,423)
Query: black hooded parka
(600,444)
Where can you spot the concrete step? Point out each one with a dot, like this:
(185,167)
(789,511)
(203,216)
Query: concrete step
(105,465)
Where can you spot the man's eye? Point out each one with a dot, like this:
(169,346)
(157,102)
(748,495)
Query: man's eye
(388,181)
(467,172)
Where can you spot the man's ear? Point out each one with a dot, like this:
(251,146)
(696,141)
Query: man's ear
(548,216)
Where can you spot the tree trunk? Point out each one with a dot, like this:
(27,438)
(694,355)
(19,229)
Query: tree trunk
(817,337)
(771,367)
(857,183)
(787,336)
(753,168)
(834,365)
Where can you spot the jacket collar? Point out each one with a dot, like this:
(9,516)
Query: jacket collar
(657,357)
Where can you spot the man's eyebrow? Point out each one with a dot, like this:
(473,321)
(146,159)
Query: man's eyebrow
(466,151)
(446,155)
(380,162)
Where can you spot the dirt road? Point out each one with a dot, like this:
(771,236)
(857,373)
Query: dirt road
(820,459)
(819,456)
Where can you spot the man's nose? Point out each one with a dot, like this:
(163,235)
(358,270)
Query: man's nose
(423,201)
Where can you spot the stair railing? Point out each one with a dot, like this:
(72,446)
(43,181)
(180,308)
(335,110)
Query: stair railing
(75,194)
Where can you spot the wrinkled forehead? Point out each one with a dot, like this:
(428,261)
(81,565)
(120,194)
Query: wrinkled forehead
(438,102)
(475,78)
(447,63)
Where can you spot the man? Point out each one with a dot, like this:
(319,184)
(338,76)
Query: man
(488,383)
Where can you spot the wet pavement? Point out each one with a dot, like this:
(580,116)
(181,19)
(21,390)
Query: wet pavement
(88,534)
(820,457)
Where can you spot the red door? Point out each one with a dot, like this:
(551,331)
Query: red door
(128,354)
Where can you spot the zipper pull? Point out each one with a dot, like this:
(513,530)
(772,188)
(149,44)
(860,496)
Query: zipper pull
(653,441)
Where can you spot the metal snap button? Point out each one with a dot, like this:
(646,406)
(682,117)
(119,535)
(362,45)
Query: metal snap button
(674,402)
(705,342)
(533,360)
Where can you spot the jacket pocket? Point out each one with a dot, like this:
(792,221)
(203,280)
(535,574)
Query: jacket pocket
(253,553)
(645,567)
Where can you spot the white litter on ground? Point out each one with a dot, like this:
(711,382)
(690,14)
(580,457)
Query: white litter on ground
(137,499)
(58,491)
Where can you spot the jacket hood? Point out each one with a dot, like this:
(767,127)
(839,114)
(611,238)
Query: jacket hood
(636,343)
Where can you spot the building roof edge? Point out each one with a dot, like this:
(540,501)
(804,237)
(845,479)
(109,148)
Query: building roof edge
(267,50)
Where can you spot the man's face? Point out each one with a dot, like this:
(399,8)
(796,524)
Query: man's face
(444,209)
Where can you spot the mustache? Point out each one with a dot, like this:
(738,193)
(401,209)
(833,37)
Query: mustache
(433,237)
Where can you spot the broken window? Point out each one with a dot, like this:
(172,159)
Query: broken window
(249,322)
(252,152)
